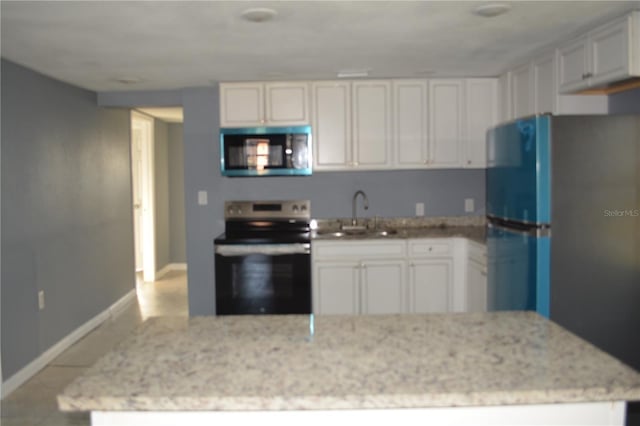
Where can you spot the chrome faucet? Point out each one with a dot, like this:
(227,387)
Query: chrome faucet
(365,203)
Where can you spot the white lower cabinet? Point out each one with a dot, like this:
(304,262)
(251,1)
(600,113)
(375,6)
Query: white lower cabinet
(430,285)
(336,288)
(476,279)
(359,277)
(385,276)
(382,288)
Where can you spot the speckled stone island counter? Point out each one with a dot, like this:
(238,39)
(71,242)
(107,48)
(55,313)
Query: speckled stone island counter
(248,363)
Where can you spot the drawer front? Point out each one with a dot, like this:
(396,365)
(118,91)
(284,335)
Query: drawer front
(370,249)
(430,247)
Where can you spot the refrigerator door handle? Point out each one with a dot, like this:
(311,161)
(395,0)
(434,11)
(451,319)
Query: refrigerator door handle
(538,231)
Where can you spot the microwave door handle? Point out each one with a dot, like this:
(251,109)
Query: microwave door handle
(265,249)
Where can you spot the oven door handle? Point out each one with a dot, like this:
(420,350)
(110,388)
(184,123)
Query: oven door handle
(266,249)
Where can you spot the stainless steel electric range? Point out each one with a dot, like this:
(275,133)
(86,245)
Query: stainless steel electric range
(263,260)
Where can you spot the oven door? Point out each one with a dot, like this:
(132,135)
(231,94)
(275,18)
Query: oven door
(263,279)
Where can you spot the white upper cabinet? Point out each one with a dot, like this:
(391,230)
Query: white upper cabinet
(286,103)
(331,125)
(481,96)
(504,95)
(264,104)
(544,84)
(352,125)
(371,109)
(522,98)
(609,53)
(410,100)
(446,115)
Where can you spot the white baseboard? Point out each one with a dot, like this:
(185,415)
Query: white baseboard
(170,267)
(50,354)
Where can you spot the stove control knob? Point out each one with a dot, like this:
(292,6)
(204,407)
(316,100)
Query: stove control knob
(295,208)
(230,210)
(303,208)
(239,210)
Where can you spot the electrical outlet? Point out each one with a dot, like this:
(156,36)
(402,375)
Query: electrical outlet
(469,206)
(202,198)
(419,209)
(41,299)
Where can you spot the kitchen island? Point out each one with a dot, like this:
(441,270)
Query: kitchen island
(484,368)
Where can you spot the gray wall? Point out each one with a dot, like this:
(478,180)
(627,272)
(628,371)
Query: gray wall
(178,252)
(161,187)
(66,211)
(391,193)
(625,102)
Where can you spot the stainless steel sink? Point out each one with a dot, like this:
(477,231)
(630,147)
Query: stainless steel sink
(361,232)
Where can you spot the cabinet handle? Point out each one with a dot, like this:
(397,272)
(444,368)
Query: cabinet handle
(468,161)
(426,161)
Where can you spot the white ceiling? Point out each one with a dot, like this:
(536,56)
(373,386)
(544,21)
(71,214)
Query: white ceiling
(169,45)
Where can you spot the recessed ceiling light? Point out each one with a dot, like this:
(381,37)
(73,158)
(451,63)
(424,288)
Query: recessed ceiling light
(127,80)
(489,10)
(353,73)
(259,14)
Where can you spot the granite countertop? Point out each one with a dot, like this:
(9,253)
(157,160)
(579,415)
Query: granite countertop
(471,227)
(350,362)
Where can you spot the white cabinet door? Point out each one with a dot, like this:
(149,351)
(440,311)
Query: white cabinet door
(383,288)
(609,52)
(410,123)
(286,104)
(476,287)
(504,89)
(446,110)
(521,91)
(544,84)
(482,111)
(430,285)
(331,125)
(241,104)
(335,288)
(371,111)
(573,65)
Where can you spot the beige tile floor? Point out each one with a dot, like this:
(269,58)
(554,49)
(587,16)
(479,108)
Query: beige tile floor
(34,403)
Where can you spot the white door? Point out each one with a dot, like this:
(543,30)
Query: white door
(371,124)
(431,286)
(286,104)
(544,84)
(382,287)
(142,131)
(331,125)
(482,113)
(241,104)
(445,121)
(521,91)
(573,65)
(335,288)
(137,179)
(609,52)
(410,123)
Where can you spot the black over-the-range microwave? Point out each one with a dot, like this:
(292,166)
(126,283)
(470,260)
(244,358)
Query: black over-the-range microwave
(266,151)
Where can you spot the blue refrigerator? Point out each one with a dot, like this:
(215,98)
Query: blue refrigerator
(563,233)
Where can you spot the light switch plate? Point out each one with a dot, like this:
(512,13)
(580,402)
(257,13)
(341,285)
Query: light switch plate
(419,209)
(202,198)
(469,205)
